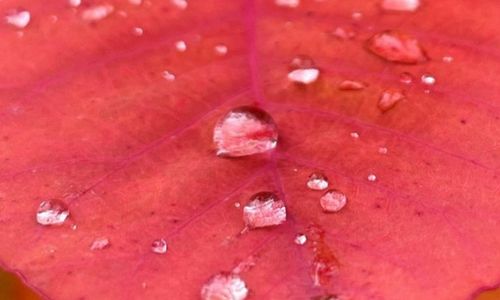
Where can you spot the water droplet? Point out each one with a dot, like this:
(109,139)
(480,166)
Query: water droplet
(181,4)
(99,244)
(224,286)
(287,3)
(135,2)
(389,99)
(344,33)
(137,31)
(97,12)
(428,79)
(237,204)
(303,70)
(19,19)
(333,201)
(317,181)
(181,46)
(382,150)
(400,5)
(245,131)
(351,85)
(75,3)
(448,59)
(372,177)
(168,76)
(357,16)
(300,239)
(220,49)
(406,78)
(74,227)
(264,209)
(52,212)
(396,47)
(355,135)
(159,246)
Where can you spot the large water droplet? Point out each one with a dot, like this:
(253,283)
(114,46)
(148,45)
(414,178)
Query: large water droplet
(19,19)
(97,12)
(333,201)
(303,70)
(99,244)
(389,99)
(396,47)
(317,181)
(264,209)
(300,239)
(52,212)
(287,3)
(159,246)
(245,131)
(351,85)
(224,286)
(400,5)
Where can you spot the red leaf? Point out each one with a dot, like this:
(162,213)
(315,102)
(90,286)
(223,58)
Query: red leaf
(88,118)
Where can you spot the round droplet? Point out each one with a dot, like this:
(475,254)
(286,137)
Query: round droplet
(19,19)
(168,76)
(220,50)
(137,31)
(351,85)
(75,3)
(300,239)
(400,5)
(372,177)
(428,79)
(389,99)
(287,3)
(159,246)
(97,12)
(99,244)
(303,70)
(264,209)
(224,286)
(181,4)
(355,135)
(406,78)
(396,47)
(382,150)
(333,201)
(317,181)
(245,131)
(52,212)
(181,46)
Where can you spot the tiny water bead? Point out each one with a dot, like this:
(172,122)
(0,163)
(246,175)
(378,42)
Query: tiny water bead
(220,49)
(287,3)
(224,286)
(137,31)
(406,78)
(245,131)
(300,239)
(448,59)
(401,5)
(354,135)
(372,177)
(333,201)
(159,246)
(75,3)
(303,70)
(396,47)
(135,2)
(181,4)
(344,33)
(52,212)
(264,209)
(389,99)
(382,150)
(181,46)
(351,85)
(168,76)
(97,12)
(317,181)
(428,79)
(99,244)
(19,19)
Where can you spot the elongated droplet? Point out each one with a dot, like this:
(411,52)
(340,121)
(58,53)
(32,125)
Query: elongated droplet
(317,181)
(406,78)
(333,201)
(428,79)
(19,19)
(135,2)
(220,49)
(287,3)
(99,244)
(351,85)
(401,5)
(98,12)
(303,70)
(396,47)
(137,31)
(52,212)
(382,150)
(245,131)
(389,99)
(159,246)
(300,239)
(264,209)
(448,59)
(224,286)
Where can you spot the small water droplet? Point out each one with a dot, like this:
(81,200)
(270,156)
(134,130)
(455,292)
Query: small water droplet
(52,212)
(372,177)
(168,76)
(137,31)
(97,12)
(406,78)
(448,59)
(303,70)
(135,2)
(75,3)
(344,33)
(389,99)
(19,19)
(333,201)
(245,131)
(428,79)
(181,4)
(287,3)
(400,5)
(74,227)
(357,16)
(99,244)
(220,49)
(351,85)
(264,209)
(181,46)
(159,246)
(224,286)
(317,181)
(300,239)
(382,150)
(237,204)
(355,135)
(396,47)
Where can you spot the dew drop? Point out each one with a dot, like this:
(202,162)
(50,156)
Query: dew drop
(401,5)
(344,33)
(428,79)
(333,201)
(264,209)
(159,246)
(303,70)
(448,59)
(389,99)
(220,49)
(19,19)
(354,135)
(300,239)
(245,131)
(137,31)
(224,286)
(99,244)
(181,4)
(287,3)
(98,12)
(396,47)
(372,177)
(317,181)
(75,3)
(52,212)
(181,46)
(351,85)
(382,150)
(406,78)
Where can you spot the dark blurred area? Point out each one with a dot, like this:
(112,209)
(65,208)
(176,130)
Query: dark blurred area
(12,288)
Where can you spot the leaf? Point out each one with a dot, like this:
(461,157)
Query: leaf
(88,118)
